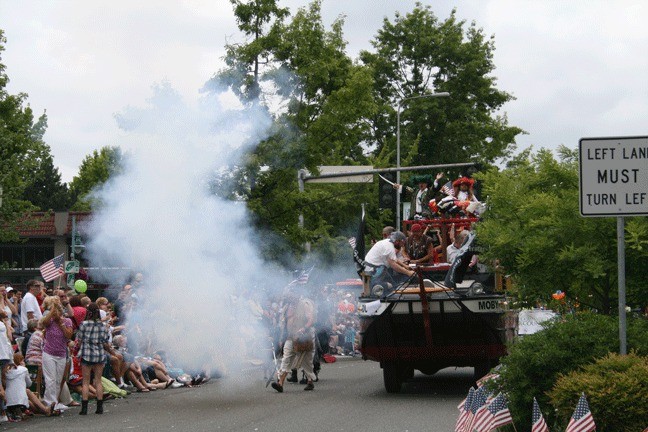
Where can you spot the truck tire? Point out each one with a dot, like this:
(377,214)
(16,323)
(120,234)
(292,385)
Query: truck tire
(393,377)
(408,373)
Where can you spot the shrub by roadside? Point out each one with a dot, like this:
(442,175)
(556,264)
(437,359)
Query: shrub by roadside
(617,393)
(535,362)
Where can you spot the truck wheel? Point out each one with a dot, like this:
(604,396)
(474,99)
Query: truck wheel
(392,376)
(408,373)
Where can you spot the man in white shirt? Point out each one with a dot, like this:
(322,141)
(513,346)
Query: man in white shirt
(29,308)
(453,250)
(455,246)
(383,255)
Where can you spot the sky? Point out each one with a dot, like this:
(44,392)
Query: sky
(577,68)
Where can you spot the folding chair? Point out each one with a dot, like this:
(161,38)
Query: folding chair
(36,376)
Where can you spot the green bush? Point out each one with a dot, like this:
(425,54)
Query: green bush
(616,388)
(535,362)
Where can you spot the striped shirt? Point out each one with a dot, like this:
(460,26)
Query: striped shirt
(92,335)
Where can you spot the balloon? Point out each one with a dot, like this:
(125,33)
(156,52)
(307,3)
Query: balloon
(80,286)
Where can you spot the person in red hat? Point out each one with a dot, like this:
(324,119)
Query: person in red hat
(463,189)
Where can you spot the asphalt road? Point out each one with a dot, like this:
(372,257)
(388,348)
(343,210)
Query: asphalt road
(349,397)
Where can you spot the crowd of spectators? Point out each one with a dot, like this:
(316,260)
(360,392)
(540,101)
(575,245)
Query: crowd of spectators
(59,349)
(46,368)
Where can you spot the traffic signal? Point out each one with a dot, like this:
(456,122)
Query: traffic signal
(386,192)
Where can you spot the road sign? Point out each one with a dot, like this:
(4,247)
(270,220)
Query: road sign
(70,280)
(613,176)
(72,266)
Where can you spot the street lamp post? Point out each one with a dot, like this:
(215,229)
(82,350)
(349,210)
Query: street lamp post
(76,246)
(398,112)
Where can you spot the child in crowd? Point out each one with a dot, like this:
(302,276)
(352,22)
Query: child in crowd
(19,398)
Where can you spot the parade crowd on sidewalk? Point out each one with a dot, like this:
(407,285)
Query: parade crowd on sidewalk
(61,350)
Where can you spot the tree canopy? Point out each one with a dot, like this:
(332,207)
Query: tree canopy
(534,228)
(417,54)
(331,110)
(22,152)
(95,170)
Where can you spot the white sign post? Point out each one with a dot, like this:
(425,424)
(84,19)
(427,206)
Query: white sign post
(72,266)
(614,183)
(614,176)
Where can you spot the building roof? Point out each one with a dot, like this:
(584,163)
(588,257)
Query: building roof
(43,224)
(36,224)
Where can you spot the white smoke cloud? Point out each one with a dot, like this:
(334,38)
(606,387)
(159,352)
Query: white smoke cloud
(194,249)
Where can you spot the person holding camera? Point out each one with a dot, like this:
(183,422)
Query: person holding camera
(58,331)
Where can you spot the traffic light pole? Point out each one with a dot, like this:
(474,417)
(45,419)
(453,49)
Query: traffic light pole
(303,176)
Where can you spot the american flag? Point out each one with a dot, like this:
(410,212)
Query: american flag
(482,415)
(52,268)
(581,420)
(495,415)
(478,402)
(352,242)
(491,376)
(447,189)
(464,408)
(502,414)
(302,279)
(538,421)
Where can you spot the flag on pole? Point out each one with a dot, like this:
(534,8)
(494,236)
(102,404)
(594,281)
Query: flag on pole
(463,408)
(52,268)
(482,414)
(495,415)
(447,189)
(303,277)
(538,423)
(502,415)
(581,420)
(479,400)
(358,245)
(491,376)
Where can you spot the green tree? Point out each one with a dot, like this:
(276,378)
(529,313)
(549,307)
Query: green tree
(333,111)
(534,228)
(325,100)
(258,20)
(21,148)
(44,189)
(636,256)
(95,170)
(417,54)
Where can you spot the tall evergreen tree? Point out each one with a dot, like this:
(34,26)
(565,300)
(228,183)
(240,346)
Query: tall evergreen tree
(323,99)
(258,20)
(44,189)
